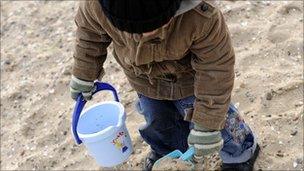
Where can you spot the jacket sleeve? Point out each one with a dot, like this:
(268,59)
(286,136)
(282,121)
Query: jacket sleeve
(214,77)
(91,45)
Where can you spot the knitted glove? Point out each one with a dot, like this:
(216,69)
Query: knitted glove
(80,86)
(205,141)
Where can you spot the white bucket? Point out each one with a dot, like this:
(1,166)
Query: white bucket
(102,129)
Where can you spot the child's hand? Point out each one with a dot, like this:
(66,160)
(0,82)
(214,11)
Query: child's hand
(80,86)
(205,141)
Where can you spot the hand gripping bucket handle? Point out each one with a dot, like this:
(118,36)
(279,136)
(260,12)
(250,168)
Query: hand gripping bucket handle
(81,102)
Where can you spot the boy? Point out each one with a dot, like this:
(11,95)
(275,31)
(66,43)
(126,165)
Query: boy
(178,57)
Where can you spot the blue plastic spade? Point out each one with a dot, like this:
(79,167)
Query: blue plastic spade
(187,156)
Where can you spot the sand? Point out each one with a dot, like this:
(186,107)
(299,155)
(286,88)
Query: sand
(172,164)
(37,39)
(210,162)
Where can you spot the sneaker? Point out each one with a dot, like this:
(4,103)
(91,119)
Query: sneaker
(246,166)
(150,160)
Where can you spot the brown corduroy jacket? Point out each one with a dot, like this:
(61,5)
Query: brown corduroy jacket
(192,55)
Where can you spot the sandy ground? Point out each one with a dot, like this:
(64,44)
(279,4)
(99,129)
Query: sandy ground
(36,57)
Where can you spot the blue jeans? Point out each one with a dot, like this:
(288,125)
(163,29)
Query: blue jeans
(165,129)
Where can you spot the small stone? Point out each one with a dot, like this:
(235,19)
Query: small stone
(67,71)
(19,96)
(268,115)
(269,96)
(299,104)
(299,160)
(246,112)
(295,164)
(64,132)
(138,151)
(293,133)
(7,62)
(250,96)
(53,163)
(244,23)
(237,73)
(296,118)
(237,105)
(280,154)
(51,91)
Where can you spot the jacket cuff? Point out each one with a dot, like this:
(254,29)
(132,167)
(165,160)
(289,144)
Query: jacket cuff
(214,122)
(87,75)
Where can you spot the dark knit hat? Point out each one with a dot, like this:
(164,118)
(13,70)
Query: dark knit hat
(139,16)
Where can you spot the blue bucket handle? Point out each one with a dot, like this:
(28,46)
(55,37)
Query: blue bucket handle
(80,102)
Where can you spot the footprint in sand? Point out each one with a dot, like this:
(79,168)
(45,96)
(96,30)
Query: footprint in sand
(278,33)
(287,17)
(290,8)
(279,101)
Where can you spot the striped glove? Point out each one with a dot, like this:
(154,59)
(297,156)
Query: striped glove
(205,141)
(80,86)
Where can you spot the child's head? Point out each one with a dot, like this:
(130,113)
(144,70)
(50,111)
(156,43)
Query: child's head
(139,16)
